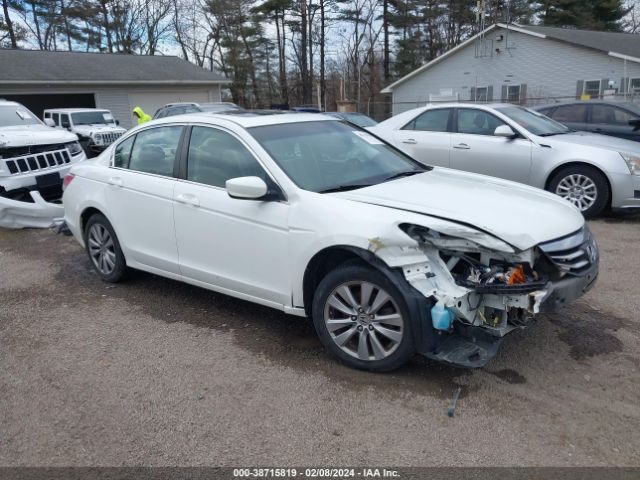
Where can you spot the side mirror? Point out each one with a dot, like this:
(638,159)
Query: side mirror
(49,122)
(504,131)
(117,122)
(247,188)
(65,125)
(635,123)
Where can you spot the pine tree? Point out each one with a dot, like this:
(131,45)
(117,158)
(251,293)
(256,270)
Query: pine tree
(583,14)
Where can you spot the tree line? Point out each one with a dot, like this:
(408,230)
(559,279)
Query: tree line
(291,52)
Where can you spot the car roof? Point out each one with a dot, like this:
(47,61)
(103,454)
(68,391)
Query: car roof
(76,110)
(247,119)
(586,102)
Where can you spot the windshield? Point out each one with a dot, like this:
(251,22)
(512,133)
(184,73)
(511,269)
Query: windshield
(92,118)
(12,115)
(534,122)
(332,155)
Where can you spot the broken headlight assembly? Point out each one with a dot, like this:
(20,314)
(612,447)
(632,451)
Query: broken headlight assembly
(473,265)
(73,147)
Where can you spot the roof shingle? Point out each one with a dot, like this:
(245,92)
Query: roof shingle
(61,67)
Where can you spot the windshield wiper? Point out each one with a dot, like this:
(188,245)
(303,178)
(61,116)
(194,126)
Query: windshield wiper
(344,188)
(403,174)
(550,134)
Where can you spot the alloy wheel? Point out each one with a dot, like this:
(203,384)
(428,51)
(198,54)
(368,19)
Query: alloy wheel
(102,249)
(363,320)
(579,190)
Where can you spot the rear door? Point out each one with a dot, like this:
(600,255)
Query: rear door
(476,149)
(573,116)
(612,120)
(140,197)
(427,137)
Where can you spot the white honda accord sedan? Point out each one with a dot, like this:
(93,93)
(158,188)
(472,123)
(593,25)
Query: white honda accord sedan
(319,218)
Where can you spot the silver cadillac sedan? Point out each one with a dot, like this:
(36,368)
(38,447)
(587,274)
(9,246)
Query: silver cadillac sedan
(593,172)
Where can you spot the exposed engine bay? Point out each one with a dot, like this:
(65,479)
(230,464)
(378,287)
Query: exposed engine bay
(475,285)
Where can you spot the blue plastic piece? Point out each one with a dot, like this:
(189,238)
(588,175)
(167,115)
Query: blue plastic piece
(442,317)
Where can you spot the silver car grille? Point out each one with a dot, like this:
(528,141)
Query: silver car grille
(37,161)
(573,254)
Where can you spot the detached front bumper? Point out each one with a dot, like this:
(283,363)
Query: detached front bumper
(39,214)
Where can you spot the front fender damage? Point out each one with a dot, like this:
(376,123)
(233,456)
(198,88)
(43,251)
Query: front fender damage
(483,315)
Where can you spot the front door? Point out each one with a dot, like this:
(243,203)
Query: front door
(239,246)
(140,195)
(474,147)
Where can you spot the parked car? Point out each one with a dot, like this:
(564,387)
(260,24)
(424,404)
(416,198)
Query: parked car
(173,109)
(95,127)
(316,217)
(356,118)
(593,172)
(609,118)
(34,159)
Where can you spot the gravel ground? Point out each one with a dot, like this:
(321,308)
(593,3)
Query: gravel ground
(154,372)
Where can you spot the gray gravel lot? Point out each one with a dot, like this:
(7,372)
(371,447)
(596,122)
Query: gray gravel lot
(154,372)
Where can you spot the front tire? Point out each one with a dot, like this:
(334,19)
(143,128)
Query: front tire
(104,250)
(363,319)
(584,186)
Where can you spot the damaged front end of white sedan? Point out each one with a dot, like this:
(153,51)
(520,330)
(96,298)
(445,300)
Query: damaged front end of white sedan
(479,288)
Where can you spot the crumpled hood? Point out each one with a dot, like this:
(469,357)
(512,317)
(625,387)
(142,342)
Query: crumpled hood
(24,135)
(594,140)
(520,215)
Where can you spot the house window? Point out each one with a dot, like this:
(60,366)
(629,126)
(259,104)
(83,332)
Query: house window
(480,94)
(591,88)
(634,85)
(513,93)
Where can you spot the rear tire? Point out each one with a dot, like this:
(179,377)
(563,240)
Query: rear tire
(584,186)
(104,250)
(363,319)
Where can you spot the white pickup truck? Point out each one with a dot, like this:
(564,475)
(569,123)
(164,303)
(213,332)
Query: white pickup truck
(34,160)
(96,128)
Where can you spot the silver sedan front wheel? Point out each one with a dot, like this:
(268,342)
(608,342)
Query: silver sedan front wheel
(579,190)
(363,320)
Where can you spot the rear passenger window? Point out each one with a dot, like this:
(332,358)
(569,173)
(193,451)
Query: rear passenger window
(216,156)
(431,121)
(154,150)
(123,152)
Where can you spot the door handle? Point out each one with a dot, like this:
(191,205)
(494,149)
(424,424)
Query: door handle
(410,141)
(462,146)
(115,181)
(188,199)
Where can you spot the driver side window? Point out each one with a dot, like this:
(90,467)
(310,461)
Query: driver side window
(477,122)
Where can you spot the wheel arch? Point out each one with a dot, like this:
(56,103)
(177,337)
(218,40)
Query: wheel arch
(328,259)
(86,214)
(579,163)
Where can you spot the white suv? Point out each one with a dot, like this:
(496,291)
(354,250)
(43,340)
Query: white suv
(33,161)
(316,217)
(96,128)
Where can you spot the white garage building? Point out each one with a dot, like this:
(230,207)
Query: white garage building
(118,82)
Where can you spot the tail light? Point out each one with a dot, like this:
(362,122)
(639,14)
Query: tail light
(67,180)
